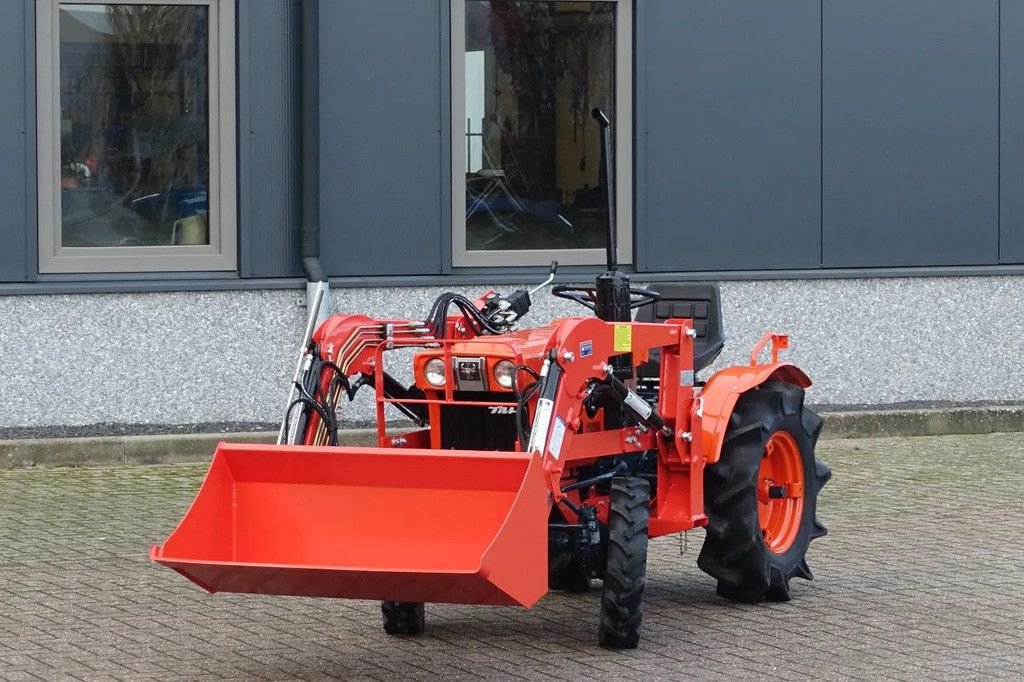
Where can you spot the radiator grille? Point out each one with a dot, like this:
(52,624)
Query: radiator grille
(474,427)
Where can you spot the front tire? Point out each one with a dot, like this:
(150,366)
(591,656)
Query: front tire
(625,575)
(761,496)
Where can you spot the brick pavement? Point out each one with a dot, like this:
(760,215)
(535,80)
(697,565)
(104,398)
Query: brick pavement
(921,577)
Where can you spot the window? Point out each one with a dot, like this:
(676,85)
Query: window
(136,135)
(526,153)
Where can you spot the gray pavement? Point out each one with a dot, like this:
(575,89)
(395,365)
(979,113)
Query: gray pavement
(920,577)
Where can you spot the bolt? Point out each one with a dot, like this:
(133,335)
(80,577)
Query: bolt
(686,435)
(568,356)
(398,441)
(691,332)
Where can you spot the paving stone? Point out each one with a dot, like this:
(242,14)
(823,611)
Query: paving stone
(920,577)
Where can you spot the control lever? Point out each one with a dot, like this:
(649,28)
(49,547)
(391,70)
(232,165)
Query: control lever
(511,308)
(549,280)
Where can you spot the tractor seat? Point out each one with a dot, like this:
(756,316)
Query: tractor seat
(699,301)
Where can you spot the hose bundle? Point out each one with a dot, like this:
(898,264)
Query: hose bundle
(438,316)
(312,395)
(523,399)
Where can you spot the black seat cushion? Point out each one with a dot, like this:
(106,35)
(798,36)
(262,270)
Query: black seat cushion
(698,301)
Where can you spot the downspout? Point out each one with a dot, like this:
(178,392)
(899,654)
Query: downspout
(309,150)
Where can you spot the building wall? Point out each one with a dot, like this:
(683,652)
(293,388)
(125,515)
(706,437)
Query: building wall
(227,356)
(772,140)
(803,136)
(17,149)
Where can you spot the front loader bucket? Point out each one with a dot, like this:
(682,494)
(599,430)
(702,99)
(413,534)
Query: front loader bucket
(367,523)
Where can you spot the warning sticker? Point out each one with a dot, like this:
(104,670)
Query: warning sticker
(541,423)
(557,434)
(623,342)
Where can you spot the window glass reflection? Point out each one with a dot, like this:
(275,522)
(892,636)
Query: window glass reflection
(134,125)
(533,72)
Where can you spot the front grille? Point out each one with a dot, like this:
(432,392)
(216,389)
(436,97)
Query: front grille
(475,427)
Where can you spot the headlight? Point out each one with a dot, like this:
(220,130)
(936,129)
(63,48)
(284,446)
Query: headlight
(505,373)
(433,371)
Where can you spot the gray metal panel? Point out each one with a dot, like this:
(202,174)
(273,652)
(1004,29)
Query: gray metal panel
(728,134)
(17,181)
(383,165)
(445,241)
(910,140)
(268,146)
(1011,139)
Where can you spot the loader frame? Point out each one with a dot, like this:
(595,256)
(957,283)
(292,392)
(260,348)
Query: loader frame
(578,353)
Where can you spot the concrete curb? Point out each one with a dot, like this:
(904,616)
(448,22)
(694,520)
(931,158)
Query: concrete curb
(122,450)
(178,448)
(946,421)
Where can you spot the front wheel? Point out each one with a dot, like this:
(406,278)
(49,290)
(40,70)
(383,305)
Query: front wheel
(625,574)
(761,496)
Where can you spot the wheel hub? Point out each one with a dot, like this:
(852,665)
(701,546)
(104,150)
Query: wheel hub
(780,492)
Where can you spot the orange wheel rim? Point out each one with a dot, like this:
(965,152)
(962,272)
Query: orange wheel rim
(780,492)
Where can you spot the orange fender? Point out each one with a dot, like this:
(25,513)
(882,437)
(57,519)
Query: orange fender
(725,388)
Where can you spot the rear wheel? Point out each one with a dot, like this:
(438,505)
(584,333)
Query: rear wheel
(761,496)
(625,575)
(403,617)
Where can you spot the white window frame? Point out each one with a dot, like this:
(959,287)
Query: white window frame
(221,253)
(623,171)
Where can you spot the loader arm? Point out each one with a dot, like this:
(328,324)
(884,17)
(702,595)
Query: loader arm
(579,354)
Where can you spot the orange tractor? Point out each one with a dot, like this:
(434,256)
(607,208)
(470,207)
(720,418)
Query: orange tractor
(536,459)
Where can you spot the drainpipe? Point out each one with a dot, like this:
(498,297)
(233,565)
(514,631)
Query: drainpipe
(309,232)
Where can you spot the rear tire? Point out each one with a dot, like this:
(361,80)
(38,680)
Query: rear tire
(625,575)
(403,617)
(761,496)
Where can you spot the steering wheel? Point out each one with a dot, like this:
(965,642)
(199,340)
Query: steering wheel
(587,296)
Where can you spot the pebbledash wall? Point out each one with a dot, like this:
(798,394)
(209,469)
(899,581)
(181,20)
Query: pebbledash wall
(851,171)
(212,356)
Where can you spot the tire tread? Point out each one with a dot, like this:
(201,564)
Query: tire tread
(625,574)
(734,552)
